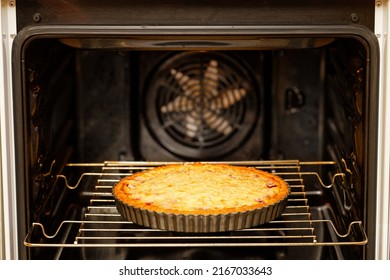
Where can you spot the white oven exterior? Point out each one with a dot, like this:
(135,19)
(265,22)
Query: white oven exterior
(8,205)
(382,28)
(8,230)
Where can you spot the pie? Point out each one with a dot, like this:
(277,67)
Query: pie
(199,190)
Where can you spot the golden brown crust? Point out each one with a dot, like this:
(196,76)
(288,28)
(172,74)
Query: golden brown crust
(201,189)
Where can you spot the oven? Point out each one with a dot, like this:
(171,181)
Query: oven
(94,92)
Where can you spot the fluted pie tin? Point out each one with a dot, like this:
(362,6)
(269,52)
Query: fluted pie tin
(201,223)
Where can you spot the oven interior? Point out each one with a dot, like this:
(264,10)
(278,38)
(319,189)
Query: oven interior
(92,109)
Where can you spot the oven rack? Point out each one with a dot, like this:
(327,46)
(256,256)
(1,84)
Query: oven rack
(102,225)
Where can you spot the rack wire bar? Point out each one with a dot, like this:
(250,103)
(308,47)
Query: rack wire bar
(103,226)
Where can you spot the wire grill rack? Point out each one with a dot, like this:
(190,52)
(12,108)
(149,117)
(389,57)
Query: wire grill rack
(102,225)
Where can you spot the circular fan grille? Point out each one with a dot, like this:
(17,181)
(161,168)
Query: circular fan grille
(201,105)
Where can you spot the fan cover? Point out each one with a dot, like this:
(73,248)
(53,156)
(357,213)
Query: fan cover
(201,105)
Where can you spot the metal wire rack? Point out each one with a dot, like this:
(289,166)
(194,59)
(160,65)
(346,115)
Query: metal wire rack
(102,225)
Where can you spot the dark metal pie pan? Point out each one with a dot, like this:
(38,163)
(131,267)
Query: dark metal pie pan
(201,223)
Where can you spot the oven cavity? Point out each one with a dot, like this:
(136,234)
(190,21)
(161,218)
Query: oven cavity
(94,106)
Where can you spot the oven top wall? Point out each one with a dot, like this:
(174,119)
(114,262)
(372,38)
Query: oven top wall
(195,12)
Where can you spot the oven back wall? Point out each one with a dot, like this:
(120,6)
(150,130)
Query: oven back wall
(121,96)
(106,97)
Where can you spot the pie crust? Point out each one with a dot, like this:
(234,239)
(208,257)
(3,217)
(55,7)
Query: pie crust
(201,197)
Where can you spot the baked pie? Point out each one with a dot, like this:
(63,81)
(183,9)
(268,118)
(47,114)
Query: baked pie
(201,197)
